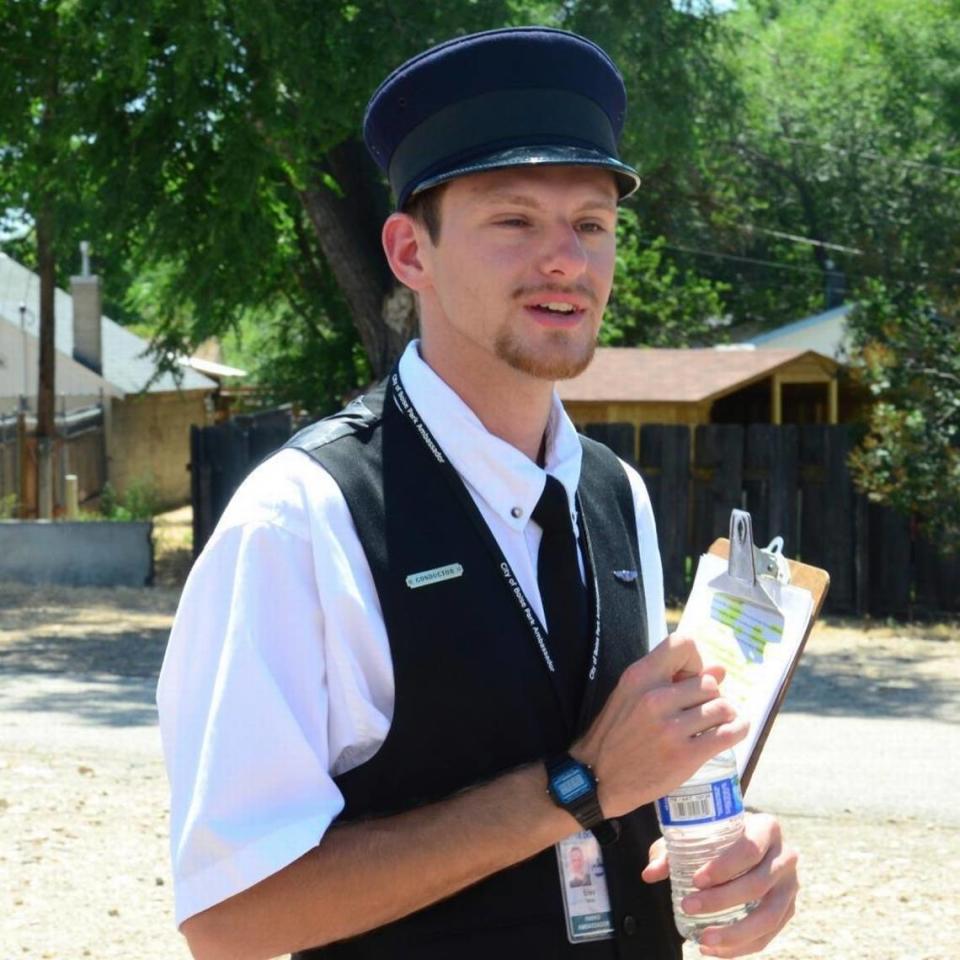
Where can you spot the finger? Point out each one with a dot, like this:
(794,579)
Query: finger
(698,719)
(693,691)
(676,656)
(760,834)
(658,849)
(716,671)
(716,739)
(657,868)
(776,870)
(755,931)
(742,950)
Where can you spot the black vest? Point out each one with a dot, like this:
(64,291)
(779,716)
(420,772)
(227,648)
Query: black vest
(474,697)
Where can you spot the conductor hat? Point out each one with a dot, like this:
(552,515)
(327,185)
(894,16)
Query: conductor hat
(502,98)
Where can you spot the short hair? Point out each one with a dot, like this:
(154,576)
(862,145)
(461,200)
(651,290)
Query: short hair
(424,207)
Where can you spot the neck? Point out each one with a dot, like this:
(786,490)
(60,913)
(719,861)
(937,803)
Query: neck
(511,405)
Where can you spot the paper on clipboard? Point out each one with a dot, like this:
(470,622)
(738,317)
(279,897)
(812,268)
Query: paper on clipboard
(756,635)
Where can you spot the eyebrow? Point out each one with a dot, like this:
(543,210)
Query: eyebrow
(523,200)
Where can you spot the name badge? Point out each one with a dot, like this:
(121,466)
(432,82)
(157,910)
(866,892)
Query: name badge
(437,575)
(583,884)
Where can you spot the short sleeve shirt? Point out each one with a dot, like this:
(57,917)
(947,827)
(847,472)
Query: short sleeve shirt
(278,675)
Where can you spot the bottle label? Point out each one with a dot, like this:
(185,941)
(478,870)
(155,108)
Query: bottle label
(719,800)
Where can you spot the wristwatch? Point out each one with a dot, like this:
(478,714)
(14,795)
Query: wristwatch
(572,786)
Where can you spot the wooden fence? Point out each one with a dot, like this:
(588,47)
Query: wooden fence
(793,479)
(795,482)
(79,448)
(222,455)
(9,462)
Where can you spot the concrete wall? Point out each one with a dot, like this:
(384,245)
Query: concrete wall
(148,438)
(100,554)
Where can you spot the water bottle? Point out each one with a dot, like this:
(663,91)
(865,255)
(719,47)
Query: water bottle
(699,820)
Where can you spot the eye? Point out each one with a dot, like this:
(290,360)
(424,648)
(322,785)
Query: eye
(512,222)
(592,226)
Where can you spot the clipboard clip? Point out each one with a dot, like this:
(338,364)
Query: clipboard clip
(748,561)
(753,572)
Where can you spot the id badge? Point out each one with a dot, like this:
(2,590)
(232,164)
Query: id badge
(583,885)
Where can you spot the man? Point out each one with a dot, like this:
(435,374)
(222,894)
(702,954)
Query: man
(579,869)
(411,668)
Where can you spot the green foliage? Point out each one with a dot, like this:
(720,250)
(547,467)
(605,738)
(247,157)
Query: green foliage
(310,359)
(845,137)
(187,139)
(9,506)
(139,502)
(907,354)
(656,301)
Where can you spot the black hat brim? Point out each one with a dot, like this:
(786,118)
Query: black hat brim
(553,155)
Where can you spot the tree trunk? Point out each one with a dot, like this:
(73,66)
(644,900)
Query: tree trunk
(347,204)
(46,385)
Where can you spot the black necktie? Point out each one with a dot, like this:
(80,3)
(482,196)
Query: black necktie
(563,592)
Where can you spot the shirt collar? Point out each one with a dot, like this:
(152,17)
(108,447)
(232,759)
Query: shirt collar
(497,473)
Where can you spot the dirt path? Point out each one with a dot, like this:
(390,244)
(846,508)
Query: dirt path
(874,716)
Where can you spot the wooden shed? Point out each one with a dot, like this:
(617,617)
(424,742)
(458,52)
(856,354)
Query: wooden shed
(641,385)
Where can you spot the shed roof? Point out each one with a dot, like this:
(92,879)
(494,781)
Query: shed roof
(126,365)
(825,332)
(649,375)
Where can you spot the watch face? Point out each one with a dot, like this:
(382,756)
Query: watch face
(571,784)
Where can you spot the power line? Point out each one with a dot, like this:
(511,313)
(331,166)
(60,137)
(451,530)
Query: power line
(731,256)
(756,261)
(796,238)
(873,155)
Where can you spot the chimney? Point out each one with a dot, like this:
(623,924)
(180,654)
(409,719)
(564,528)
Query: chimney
(85,291)
(835,286)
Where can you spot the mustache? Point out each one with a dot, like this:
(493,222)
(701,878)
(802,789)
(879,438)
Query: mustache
(579,289)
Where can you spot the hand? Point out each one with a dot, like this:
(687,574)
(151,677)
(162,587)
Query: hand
(662,722)
(758,867)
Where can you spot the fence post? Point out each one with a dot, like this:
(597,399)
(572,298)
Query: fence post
(770,482)
(665,467)
(26,485)
(718,481)
(621,438)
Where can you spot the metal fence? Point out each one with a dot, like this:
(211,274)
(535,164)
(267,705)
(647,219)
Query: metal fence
(79,448)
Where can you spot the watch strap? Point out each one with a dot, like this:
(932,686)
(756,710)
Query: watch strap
(585,809)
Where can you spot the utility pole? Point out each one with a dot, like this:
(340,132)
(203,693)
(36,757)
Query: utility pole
(46,386)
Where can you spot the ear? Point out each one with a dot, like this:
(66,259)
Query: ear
(404,243)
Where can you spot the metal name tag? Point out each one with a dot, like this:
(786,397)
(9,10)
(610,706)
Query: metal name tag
(438,574)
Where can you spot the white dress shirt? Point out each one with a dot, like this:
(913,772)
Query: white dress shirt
(278,674)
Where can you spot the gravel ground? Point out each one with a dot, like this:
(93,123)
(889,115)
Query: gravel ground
(861,768)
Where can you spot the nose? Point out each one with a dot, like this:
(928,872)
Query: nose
(563,252)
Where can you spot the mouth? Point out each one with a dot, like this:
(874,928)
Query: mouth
(556,313)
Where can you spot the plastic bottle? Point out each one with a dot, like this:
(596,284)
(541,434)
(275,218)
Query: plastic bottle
(699,820)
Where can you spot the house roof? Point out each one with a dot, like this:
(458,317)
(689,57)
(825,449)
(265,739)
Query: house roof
(126,366)
(19,369)
(648,375)
(826,333)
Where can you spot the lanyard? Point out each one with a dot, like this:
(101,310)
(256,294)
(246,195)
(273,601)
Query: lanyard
(403,403)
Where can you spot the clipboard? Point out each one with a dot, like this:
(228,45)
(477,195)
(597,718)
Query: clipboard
(745,598)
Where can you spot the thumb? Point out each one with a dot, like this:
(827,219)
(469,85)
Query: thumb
(657,869)
(676,658)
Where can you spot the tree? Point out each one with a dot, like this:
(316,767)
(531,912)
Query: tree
(656,301)
(907,354)
(227,148)
(44,46)
(219,144)
(844,158)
